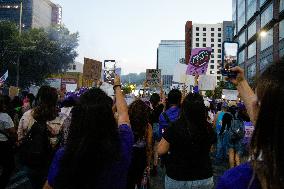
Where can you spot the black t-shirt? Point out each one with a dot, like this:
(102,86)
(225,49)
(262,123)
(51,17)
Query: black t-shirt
(188,158)
(155,114)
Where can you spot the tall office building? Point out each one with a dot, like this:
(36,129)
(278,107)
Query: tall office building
(259,29)
(170,52)
(36,13)
(209,35)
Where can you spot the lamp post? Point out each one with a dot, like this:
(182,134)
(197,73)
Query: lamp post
(20,32)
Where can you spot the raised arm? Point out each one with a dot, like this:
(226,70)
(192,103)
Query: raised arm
(121,105)
(246,93)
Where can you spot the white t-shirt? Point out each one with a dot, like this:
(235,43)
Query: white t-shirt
(5,123)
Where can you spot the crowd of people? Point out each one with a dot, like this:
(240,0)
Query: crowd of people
(96,141)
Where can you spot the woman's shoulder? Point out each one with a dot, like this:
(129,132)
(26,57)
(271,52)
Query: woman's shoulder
(239,177)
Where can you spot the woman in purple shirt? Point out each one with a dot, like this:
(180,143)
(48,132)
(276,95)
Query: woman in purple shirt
(266,166)
(97,154)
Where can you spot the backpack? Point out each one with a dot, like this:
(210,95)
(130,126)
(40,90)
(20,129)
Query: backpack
(35,150)
(236,131)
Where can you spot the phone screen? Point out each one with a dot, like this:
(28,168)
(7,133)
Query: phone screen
(230,58)
(109,64)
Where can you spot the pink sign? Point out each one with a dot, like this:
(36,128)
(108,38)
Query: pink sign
(199,60)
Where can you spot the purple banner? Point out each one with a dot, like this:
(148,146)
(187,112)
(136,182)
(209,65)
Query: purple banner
(199,60)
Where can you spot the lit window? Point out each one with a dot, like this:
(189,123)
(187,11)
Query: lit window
(267,40)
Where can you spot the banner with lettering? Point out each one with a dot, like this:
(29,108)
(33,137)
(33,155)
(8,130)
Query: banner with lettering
(199,60)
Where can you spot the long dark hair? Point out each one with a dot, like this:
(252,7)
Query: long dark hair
(45,108)
(93,144)
(139,115)
(268,142)
(193,115)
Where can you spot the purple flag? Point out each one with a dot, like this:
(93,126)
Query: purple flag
(199,60)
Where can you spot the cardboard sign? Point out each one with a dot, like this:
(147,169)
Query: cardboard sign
(92,69)
(199,60)
(207,82)
(153,77)
(230,94)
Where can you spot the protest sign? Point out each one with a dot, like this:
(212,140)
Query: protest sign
(153,77)
(199,60)
(179,73)
(92,69)
(71,87)
(207,82)
(230,94)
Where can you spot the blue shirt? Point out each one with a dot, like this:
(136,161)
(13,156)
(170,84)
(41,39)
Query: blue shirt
(219,121)
(172,113)
(238,178)
(114,178)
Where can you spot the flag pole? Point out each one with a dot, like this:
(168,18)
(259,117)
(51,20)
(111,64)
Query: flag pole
(20,32)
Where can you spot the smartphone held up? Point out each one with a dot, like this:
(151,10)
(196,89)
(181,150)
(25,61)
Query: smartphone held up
(230,59)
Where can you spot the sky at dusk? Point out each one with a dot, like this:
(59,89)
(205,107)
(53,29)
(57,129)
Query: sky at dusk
(129,31)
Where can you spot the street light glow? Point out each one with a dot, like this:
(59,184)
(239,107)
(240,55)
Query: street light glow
(263,33)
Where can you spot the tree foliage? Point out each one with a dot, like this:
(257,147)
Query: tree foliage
(40,52)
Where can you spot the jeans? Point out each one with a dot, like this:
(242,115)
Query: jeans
(221,150)
(197,184)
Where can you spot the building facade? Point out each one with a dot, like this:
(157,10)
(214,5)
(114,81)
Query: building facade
(169,53)
(259,29)
(36,13)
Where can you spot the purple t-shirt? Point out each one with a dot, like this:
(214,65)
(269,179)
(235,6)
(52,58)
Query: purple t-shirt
(114,178)
(240,177)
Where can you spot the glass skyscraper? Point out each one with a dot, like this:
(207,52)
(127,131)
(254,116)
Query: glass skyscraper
(170,52)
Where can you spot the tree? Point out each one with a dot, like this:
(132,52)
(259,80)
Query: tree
(40,52)
(219,90)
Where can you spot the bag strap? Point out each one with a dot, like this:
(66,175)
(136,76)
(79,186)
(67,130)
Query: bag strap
(166,118)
